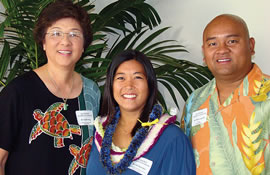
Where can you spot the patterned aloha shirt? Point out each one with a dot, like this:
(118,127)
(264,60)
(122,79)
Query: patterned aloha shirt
(232,138)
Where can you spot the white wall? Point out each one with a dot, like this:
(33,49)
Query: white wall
(189,17)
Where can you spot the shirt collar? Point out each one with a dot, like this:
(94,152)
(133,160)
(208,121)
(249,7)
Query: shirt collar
(246,88)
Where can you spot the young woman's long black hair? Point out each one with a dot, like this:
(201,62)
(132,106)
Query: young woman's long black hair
(109,104)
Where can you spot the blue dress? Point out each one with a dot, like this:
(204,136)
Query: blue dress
(171,154)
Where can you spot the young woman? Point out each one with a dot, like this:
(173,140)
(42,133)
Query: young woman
(132,135)
(40,132)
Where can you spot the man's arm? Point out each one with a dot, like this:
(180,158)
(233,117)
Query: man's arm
(3,159)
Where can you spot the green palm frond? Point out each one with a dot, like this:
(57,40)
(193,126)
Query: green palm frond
(122,14)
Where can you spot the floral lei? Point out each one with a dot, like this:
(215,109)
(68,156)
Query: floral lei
(130,153)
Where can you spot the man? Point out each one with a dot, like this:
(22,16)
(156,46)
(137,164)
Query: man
(228,119)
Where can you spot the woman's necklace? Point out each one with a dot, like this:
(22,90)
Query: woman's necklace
(58,89)
(105,152)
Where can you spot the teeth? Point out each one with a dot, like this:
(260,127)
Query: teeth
(64,52)
(129,96)
(223,60)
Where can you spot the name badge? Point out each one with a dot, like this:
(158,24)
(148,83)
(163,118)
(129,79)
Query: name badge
(199,117)
(85,117)
(141,166)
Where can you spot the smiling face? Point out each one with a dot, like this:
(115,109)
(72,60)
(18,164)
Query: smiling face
(64,51)
(130,87)
(227,48)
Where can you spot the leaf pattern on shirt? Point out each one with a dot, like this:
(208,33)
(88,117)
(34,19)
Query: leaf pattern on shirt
(261,114)
(261,89)
(225,157)
(245,86)
(193,105)
(252,155)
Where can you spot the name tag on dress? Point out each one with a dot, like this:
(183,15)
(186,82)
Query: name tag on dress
(141,166)
(199,117)
(85,117)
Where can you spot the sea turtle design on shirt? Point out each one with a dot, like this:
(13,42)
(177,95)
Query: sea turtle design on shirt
(81,155)
(54,124)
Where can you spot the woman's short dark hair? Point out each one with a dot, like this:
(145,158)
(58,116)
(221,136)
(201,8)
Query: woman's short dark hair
(58,10)
(108,102)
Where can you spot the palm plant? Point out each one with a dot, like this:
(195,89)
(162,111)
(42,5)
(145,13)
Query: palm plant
(130,22)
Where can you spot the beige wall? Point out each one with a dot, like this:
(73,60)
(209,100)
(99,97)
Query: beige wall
(189,17)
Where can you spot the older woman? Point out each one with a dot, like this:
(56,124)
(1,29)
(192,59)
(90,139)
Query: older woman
(43,112)
(132,136)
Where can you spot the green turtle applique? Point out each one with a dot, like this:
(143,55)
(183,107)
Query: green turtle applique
(81,155)
(54,124)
